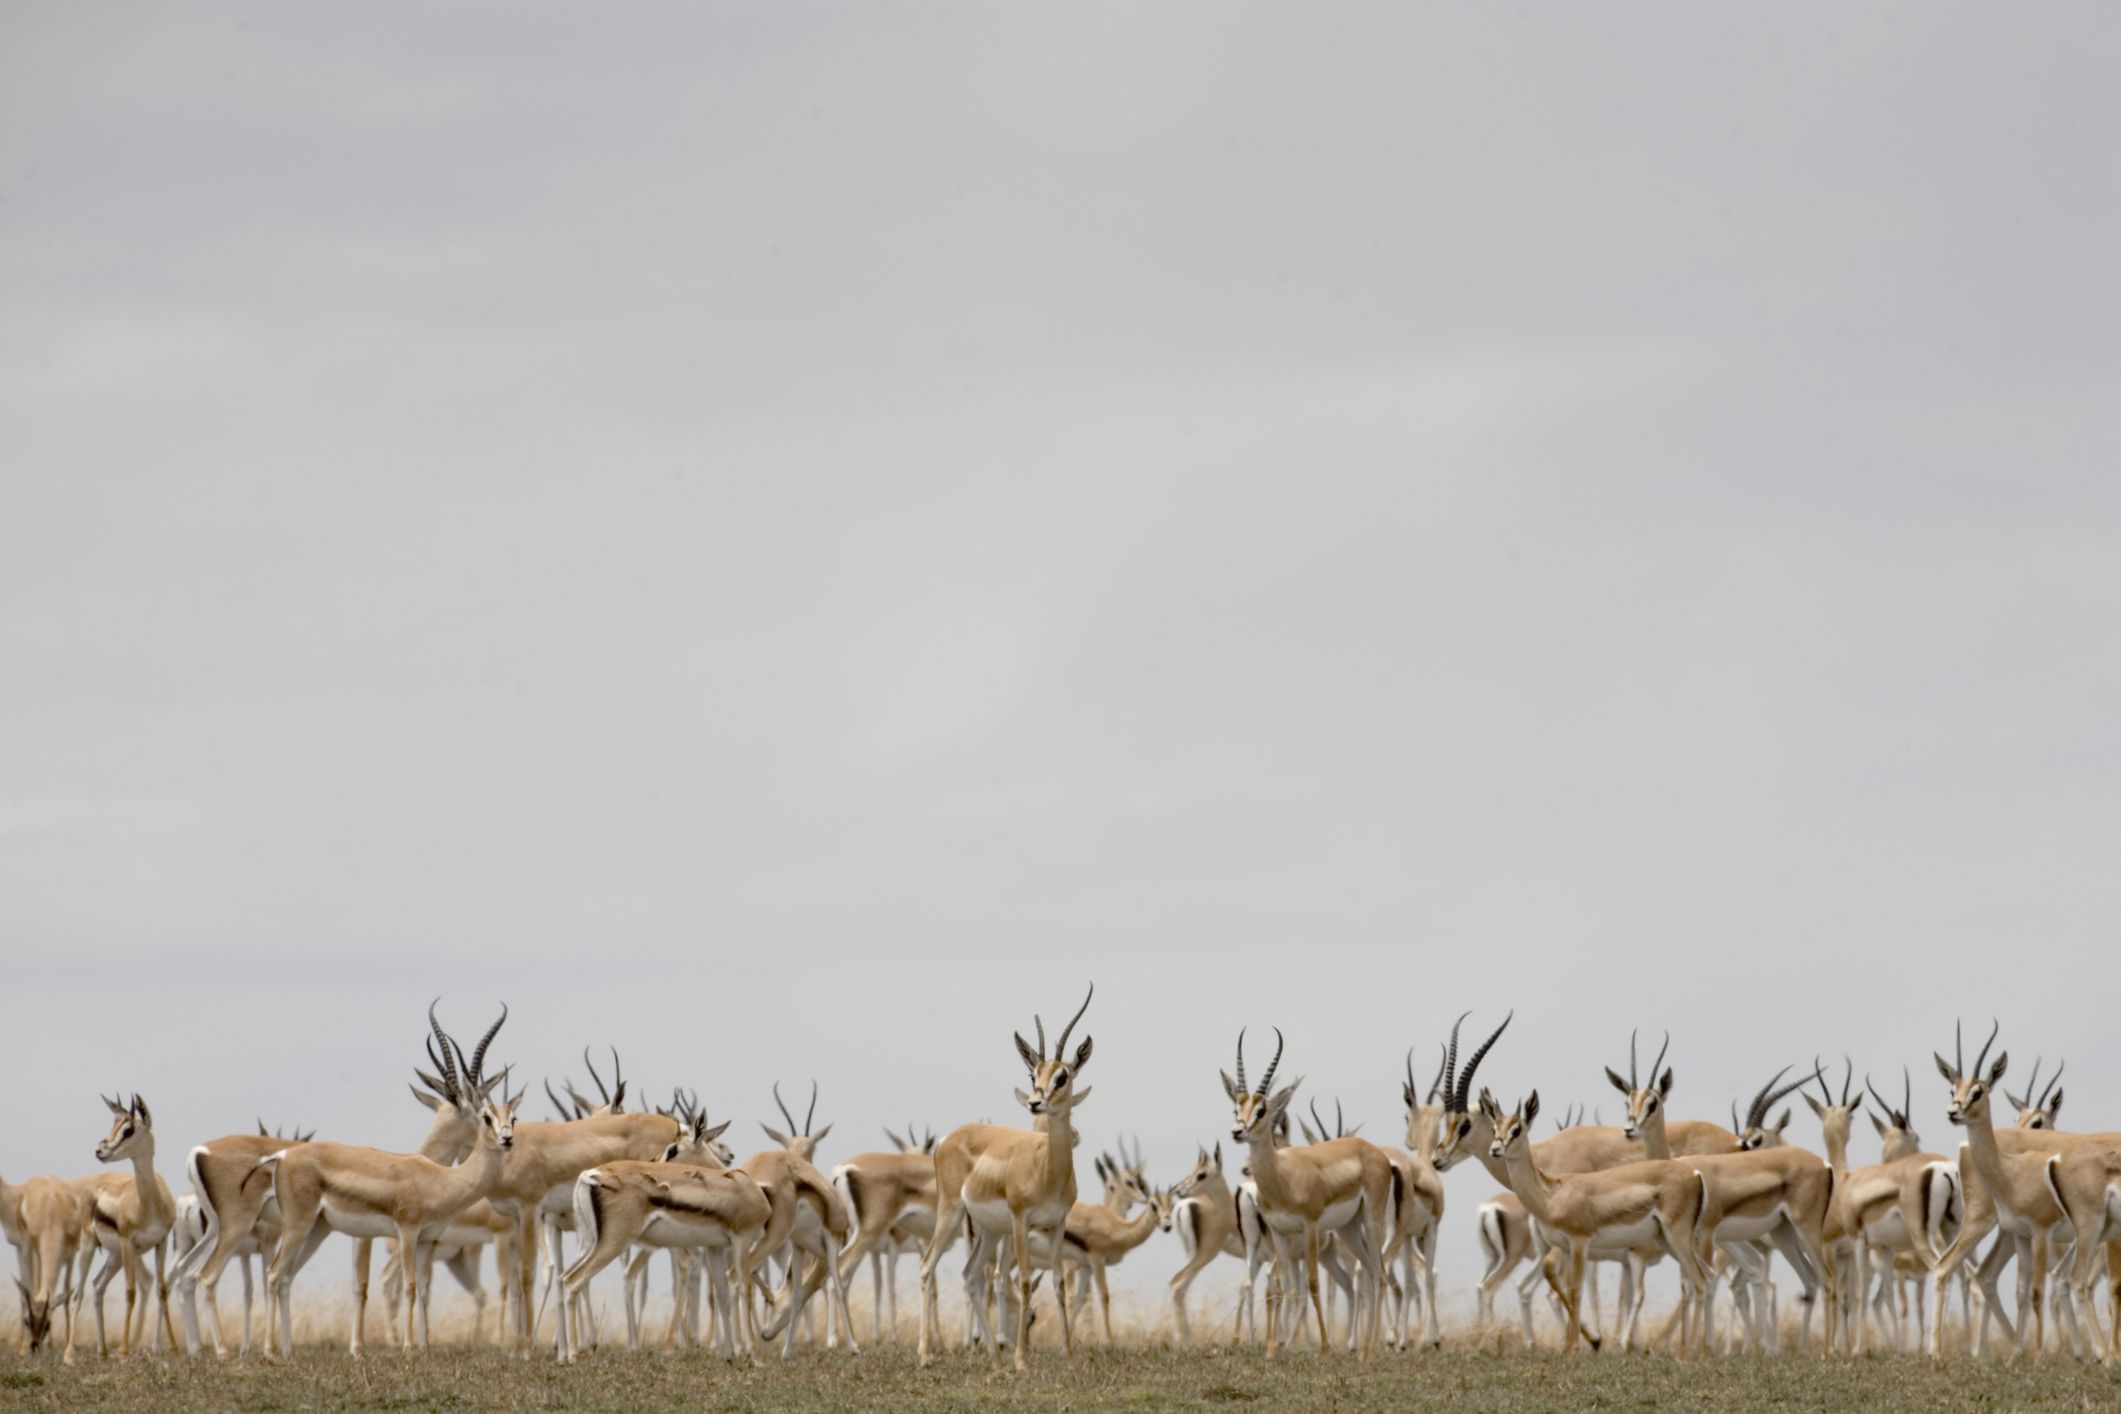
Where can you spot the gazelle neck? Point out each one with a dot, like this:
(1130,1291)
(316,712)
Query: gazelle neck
(450,1139)
(1655,1143)
(1835,1131)
(1060,1141)
(1981,1139)
(145,1183)
(1526,1181)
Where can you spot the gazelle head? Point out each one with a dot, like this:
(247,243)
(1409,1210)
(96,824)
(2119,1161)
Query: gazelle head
(696,1139)
(1464,1128)
(1425,1113)
(1896,1132)
(1258,1111)
(1971,1089)
(1512,1131)
(1208,1165)
(1122,1189)
(1756,1132)
(1646,1101)
(2038,1108)
(1053,1077)
(131,1130)
(1835,1116)
(609,1101)
(1166,1205)
(449,1090)
(36,1318)
(798,1140)
(914,1143)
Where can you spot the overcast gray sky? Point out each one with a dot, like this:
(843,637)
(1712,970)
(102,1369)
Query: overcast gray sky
(791,537)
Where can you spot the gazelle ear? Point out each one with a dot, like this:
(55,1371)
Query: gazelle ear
(774,1134)
(1784,1122)
(1021,1099)
(1944,1069)
(1082,1052)
(1230,1087)
(716,1132)
(1023,1048)
(1218,1156)
(2054,1104)
(1664,1083)
(1995,1072)
(1082,1097)
(1531,1108)
(819,1137)
(433,1102)
(1879,1125)
(1817,1108)
(1618,1083)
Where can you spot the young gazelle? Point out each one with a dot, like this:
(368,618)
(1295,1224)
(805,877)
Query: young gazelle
(49,1223)
(1344,1186)
(373,1193)
(1011,1182)
(132,1216)
(891,1198)
(1100,1235)
(1204,1215)
(1661,1201)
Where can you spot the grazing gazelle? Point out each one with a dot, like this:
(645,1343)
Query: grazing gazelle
(373,1193)
(1343,1186)
(49,1223)
(1010,1183)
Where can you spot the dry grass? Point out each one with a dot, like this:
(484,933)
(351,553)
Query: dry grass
(1469,1375)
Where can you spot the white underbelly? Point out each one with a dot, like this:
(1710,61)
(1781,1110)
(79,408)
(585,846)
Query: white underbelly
(360,1224)
(1888,1231)
(663,1230)
(1626,1237)
(1750,1229)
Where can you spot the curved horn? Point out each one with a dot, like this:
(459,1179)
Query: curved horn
(1907,1095)
(1242,1088)
(1443,1075)
(1040,1023)
(1412,1088)
(1319,1120)
(1060,1047)
(1848,1073)
(1450,1059)
(1634,1072)
(1266,1084)
(1465,1081)
(1790,1089)
(784,1108)
(1959,1047)
(810,1113)
(1755,1111)
(478,1053)
(443,1061)
(1892,1115)
(1983,1057)
(2052,1082)
(594,1078)
(558,1108)
(1658,1064)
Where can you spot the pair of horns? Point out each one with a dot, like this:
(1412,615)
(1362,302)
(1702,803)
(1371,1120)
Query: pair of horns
(462,1080)
(1848,1076)
(808,1115)
(1764,1100)
(1436,1086)
(1458,1085)
(1907,1100)
(1060,1048)
(2036,1098)
(1266,1084)
(1959,1048)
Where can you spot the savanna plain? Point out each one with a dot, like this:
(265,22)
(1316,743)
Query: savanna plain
(1474,1371)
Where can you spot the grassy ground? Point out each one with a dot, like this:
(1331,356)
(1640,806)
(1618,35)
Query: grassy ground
(462,1378)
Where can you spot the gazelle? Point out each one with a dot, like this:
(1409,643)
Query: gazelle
(1204,1215)
(2085,1182)
(132,1216)
(1778,1195)
(1343,1186)
(1661,1201)
(1902,1204)
(685,1202)
(891,1198)
(2015,1181)
(235,1194)
(1100,1235)
(1012,1181)
(807,1219)
(373,1193)
(50,1225)
(798,1140)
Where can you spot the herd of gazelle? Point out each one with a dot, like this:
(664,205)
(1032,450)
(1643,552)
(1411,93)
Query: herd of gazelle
(1718,1202)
